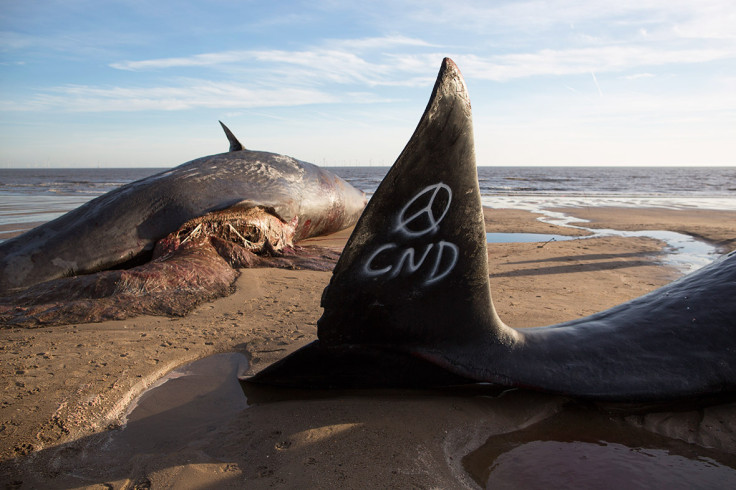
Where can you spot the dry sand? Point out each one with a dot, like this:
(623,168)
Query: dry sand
(67,389)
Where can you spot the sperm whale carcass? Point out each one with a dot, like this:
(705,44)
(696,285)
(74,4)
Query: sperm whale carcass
(247,202)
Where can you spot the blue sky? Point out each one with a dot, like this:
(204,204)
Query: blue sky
(142,83)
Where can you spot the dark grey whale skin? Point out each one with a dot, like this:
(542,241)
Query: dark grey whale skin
(125,222)
(389,323)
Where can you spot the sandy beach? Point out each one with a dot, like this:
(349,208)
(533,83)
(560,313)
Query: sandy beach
(66,419)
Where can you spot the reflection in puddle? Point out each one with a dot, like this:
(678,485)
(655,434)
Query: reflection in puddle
(601,465)
(188,403)
(167,425)
(590,449)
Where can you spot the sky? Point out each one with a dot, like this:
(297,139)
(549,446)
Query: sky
(139,83)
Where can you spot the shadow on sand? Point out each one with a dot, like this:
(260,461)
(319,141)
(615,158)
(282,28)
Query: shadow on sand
(197,428)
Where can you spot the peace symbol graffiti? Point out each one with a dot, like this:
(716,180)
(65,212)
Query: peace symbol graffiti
(426,209)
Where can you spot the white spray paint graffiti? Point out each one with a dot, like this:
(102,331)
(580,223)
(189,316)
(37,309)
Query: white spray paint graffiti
(432,220)
(404,259)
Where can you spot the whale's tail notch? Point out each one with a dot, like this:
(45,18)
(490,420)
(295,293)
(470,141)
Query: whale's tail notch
(413,277)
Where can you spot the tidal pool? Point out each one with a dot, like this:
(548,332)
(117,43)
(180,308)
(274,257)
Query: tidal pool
(681,251)
(192,401)
(588,448)
(528,237)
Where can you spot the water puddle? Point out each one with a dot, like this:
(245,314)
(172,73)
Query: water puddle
(590,449)
(683,252)
(183,411)
(189,403)
(528,237)
(579,447)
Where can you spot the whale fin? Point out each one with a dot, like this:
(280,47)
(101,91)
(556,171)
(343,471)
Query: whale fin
(234,143)
(413,277)
(414,273)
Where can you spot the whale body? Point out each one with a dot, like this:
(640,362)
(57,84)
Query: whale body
(409,302)
(124,225)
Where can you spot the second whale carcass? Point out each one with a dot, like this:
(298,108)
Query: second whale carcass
(241,203)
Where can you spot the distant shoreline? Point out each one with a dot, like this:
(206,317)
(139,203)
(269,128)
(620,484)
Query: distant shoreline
(29,197)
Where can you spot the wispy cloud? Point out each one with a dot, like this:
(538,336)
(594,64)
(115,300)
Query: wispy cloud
(343,50)
(302,76)
(584,60)
(337,64)
(384,42)
(360,62)
(636,76)
(704,19)
(713,19)
(309,76)
(206,59)
(77,45)
(81,98)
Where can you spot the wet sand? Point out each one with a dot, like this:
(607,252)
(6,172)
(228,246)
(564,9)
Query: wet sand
(714,226)
(67,389)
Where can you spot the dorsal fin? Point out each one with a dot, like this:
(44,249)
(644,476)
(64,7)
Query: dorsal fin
(414,273)
(413,277)
(234,143)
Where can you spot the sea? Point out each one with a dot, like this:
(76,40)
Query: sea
(29,197)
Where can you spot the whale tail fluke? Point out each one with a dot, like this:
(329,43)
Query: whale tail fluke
(413,277)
